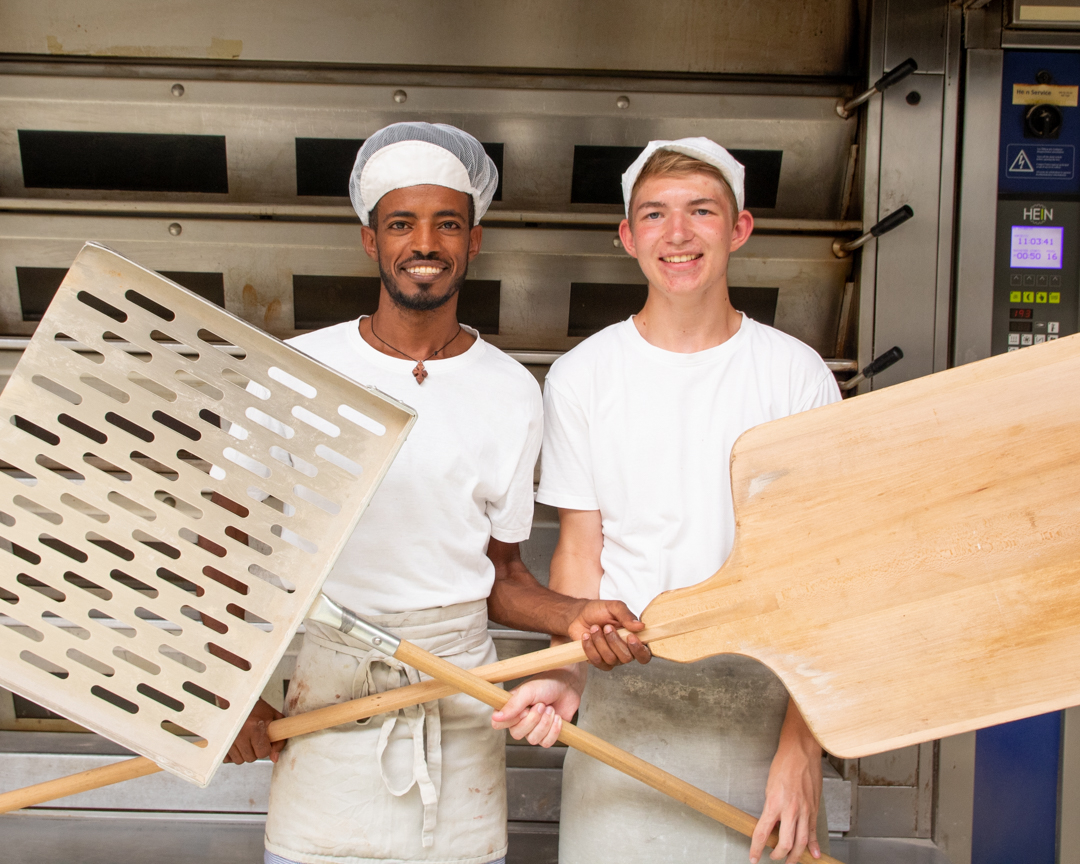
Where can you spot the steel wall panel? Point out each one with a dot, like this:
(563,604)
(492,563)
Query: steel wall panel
(538,127)
(907,258)
(772,38)
(977,216)
(535,267)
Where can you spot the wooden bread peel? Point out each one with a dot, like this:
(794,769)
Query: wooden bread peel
(911,555)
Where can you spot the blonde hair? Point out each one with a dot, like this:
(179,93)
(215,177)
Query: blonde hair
(670,163)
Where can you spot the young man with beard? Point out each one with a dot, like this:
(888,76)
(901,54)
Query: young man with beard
(640,420)
(440,536)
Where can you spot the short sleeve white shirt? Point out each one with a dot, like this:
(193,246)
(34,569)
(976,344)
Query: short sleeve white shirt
(464,474)
(644,436)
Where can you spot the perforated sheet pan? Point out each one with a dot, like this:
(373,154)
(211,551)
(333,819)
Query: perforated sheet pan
(176,486)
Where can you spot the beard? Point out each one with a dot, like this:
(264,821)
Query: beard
(424,301)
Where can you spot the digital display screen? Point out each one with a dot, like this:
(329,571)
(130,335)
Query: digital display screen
(1036,246)
(1019,326)
(1020,313)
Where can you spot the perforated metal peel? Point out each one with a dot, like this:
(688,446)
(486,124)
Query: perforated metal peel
(176,486)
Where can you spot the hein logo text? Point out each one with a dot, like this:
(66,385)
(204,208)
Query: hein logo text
(1038,214)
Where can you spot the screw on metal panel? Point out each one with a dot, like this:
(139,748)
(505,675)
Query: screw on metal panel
(616,242)
(914,97)
(400,96)
(177,90)
(622,102)
(377,640)
(175,229)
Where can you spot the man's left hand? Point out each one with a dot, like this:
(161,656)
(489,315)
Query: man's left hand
(253,741)
(792,794)
(597,628)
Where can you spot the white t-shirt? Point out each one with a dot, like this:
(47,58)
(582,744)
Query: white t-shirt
(644,436)
(464,474)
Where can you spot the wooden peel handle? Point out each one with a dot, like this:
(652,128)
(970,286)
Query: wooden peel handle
(425,691)
(322,718)
(301,724)
(84,781)
(609,754)
(404,697)
(332,715)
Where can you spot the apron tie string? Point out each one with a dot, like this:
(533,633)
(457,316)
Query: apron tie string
(425,729)
(423,721)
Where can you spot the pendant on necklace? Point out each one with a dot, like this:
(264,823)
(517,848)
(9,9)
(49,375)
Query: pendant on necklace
(419,372)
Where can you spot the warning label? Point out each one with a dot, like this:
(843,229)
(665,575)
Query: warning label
(1041,161)
(1022,164)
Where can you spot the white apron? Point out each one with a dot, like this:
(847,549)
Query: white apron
(714,723)
(425,783)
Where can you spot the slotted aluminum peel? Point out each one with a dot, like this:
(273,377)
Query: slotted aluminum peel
(140,423)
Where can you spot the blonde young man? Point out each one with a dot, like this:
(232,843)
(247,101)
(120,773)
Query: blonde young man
(640,420)
(437,551)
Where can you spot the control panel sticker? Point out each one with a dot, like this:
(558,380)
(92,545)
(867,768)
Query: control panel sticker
(1043,161)
(1045,94)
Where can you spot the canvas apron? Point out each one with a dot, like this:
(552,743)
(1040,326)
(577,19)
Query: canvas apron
(714,723)
(425,783)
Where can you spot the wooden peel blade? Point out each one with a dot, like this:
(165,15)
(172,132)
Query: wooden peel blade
(923,545)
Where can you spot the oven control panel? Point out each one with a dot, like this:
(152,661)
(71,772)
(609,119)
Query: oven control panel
(1036,273)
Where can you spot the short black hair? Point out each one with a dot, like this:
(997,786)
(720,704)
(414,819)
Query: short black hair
(373,215)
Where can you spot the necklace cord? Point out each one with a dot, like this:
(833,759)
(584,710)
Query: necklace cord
(419,372)
(371,318)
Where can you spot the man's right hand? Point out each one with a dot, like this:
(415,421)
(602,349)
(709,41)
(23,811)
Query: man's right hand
(536,709)
(600,639)
(254,742)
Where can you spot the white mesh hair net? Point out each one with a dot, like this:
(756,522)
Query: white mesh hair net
(415,154)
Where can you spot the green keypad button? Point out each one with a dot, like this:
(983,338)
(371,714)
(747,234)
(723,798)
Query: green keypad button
(1055,297)
(1014,296)
(1029,296)
(1040,296)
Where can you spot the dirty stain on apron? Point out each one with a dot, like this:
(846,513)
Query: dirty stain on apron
(714,723)
(425,783)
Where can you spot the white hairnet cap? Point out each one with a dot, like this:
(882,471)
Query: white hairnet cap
(417,154)
(699,148)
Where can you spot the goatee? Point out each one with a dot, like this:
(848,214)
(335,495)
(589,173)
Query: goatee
(424,301)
